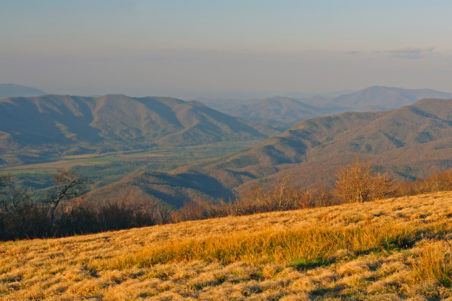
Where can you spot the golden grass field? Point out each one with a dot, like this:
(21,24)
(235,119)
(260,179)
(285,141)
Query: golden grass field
(393,249)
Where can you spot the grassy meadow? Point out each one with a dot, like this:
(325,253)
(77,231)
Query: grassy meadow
(391,249)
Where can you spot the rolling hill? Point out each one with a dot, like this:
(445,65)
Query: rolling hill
(33,129)
(394,249)
(409,142)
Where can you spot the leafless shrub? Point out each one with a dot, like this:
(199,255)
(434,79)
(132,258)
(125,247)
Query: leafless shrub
(199,209)
(275,197)
(356,183)
(440,181)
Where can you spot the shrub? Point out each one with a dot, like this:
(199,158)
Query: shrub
(440,181)
(199,209)
(357,183)
(278,196)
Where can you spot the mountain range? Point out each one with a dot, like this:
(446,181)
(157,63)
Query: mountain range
(288,111)
(380,98)
(409,142)
(55,124)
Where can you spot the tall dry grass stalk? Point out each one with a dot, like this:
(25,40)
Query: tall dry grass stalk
(434,261)
(309,246)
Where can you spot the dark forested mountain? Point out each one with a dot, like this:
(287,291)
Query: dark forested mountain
(409,142)
(12,90)
(68,124)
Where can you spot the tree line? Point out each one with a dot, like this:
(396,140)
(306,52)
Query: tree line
(355,183)
(63,213)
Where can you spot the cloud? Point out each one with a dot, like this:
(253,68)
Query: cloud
(410,53)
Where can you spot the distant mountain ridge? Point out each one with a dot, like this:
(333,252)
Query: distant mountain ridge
(13,90)
(380,98)
(281,109)
(71,124)
(290,110)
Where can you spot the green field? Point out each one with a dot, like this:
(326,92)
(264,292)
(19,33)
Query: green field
(105,168)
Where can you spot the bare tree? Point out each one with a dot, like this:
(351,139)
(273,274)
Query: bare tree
(11,198)
(69,185)
(353,182)
(15,206)
(357,183)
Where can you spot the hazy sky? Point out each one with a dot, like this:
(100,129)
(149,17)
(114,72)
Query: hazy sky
(192,48)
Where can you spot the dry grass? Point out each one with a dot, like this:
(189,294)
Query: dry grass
(433,261)
(384,250)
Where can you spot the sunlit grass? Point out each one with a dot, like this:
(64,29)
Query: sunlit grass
(387,249)
(434,261)
(310,245)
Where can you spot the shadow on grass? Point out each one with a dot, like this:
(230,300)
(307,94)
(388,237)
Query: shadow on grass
(333,292)
(306,264)
(396,244)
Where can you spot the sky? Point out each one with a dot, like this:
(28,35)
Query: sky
(230,48)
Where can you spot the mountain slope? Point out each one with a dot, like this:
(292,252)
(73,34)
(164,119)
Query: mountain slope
(12,90)
(173,189)
(409,142)
(54,124)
